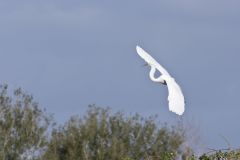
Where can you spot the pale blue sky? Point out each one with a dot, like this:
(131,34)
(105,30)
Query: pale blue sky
(69,54)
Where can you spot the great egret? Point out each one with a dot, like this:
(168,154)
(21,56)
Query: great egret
(175,96)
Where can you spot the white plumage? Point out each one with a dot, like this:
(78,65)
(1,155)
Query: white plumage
(175,95)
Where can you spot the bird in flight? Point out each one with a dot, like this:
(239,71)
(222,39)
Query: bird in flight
(175,95)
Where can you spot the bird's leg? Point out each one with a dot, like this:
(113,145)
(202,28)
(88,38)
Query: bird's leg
(146,64)
(164,82)
(161,80)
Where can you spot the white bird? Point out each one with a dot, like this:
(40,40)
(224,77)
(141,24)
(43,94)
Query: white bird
(175,96)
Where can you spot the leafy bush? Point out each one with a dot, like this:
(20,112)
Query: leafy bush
(100,136)
(222,155)
(23,126)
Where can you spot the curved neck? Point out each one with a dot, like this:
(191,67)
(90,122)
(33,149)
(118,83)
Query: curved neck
(152,74)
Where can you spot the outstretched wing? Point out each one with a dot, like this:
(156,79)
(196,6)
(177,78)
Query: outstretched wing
(150,60)
(175,95)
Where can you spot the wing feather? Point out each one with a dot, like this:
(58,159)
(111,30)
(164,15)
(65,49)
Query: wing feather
(175,96)
(150,60)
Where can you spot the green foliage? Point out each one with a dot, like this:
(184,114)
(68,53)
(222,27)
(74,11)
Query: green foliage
(221,155)
(22,126)
(217,155)
(101,135)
